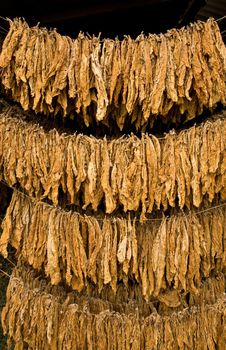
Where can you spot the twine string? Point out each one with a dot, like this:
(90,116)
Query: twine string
(111,218)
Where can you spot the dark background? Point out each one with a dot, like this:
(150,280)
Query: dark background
(112,17)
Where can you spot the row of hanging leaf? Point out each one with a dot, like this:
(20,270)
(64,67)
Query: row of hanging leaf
(92,324)
(111,81)
(135,174)
(177,252)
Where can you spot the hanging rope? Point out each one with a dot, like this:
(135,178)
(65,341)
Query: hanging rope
(112,219)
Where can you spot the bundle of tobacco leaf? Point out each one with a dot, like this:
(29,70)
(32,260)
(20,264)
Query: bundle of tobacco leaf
(175,252)
(132,173)
(166,302)
(73,322)
(111,81)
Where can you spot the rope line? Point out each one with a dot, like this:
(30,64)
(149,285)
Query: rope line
(36,200)
(5,31)
(5,273)
(220,19)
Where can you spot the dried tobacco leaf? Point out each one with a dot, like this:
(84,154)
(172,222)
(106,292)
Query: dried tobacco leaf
(175,252)
(146,172)
(127,82)
(72,321)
